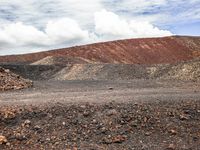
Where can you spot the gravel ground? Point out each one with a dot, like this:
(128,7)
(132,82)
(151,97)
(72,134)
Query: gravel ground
(138,114)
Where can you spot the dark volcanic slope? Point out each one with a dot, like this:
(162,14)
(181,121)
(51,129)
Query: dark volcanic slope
(133,51)
(189,70)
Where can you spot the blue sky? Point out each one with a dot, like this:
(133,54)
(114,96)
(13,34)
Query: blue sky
(30,25)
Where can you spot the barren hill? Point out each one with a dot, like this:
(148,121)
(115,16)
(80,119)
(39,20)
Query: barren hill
(181,71)
(133,51)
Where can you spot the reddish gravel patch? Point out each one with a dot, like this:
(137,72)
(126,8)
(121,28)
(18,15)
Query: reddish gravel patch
(121,126)
(11,81)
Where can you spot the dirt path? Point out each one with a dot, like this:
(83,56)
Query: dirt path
(102,91)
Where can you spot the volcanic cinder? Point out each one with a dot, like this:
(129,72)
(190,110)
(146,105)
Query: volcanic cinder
(133,51)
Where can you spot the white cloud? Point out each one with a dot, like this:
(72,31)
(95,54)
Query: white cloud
(16,35)
(33,24)
(64,30)
(19,34)
(110,26)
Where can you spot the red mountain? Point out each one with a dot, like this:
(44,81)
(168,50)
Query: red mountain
(133,51)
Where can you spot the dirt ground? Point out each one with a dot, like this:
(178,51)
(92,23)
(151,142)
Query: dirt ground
(98,115)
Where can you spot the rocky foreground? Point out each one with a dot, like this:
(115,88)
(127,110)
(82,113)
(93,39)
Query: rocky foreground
(167,125)
(11,81)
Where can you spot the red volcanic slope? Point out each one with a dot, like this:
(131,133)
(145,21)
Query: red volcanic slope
(132,51)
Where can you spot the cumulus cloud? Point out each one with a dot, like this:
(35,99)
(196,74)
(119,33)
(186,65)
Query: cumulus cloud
(30,25)
(65,30)
(19,34)
(110,26)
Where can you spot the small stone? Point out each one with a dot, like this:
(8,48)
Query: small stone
(94,121)
(183,117)
(148,133)
(110,88)
(171,147)
(50,115)
(37,127)
(106,140)
(20,137)
(7,70)
(63,123)
(119,139)
(103,130)
(145,119)
(111,112)
(3,140)
(8,144)
(27,122)
(86,113)
(83,106)
(172,132)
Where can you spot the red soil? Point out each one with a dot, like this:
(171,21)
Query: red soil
(132,51)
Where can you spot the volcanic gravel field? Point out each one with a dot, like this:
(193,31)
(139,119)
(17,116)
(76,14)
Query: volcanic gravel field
(137,114)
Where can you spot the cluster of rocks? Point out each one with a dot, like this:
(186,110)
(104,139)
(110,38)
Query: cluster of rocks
(185,71)
(164,126)
(11,81)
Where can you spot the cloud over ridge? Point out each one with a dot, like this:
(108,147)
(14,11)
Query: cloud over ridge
(28,26)
(66,31)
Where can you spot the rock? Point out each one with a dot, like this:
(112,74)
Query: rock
(3,140)
(115,139)
(86,113)
(147,133)
(111,88)
(27,122)
(183,117)
(106,140)
(37,127)
(103,130)
(173,132)
(171,147)
(8,144)
(83,106)
(9,114)
(7,70)
(118,139)
(20,137)
(111,112)
(56,143)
